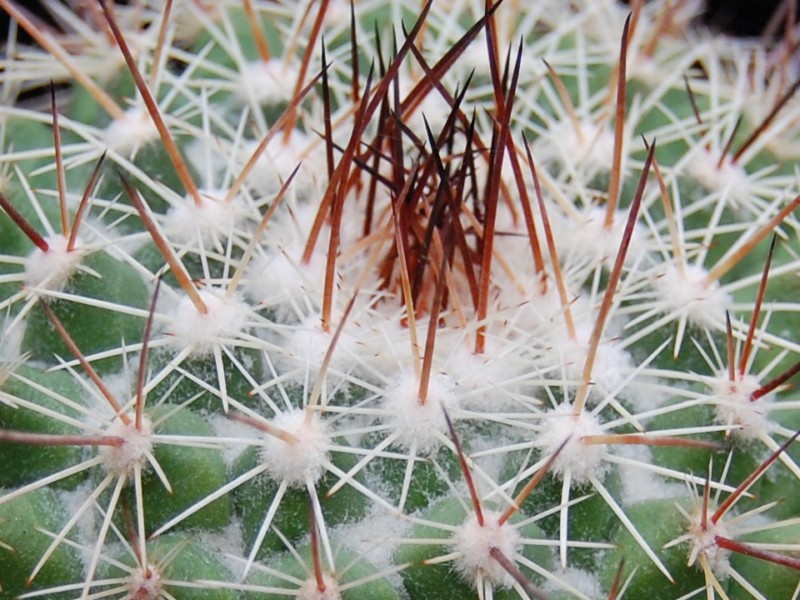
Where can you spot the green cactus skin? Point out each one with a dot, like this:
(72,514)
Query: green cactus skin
(384,266)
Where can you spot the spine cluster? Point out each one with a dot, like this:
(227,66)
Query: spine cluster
(397,300)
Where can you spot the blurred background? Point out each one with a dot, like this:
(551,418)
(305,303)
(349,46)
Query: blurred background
(736,17)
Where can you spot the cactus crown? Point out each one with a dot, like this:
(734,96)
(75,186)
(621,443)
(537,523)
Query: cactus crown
(402,300)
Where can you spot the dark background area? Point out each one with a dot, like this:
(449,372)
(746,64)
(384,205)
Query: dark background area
(735,17)
(741,17)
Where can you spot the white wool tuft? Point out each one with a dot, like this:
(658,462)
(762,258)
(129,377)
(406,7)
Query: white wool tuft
(581,460)
(420,425)
(137,444)
(729,178)
(266,82)
(226,319)
(703,541)
(145,585)
(283,280)
(604,241)
(303,459)
(309,591)
(277,161)
(132,131)
(591,149)
(685,292)
(309,343)
(474,542)
(52,270)
(734,408)
(210,221)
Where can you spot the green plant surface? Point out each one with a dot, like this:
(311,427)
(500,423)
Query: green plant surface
(398,300)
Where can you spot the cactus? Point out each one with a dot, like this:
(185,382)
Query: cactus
(397,300)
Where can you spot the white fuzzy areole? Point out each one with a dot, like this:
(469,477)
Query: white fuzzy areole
(593,149)
(582,461)
(685,292)
(309,344)
(748,419)
(302,460)
(210,221)
(309,591)
(282,278)
(728,178)
(473,543)
(420,425)
(612,364)
(267,82)
(137,444)
(52,270)
(591,240)
(279,159)
(145,584)
(133,130)
(480,375)
(703,542)
(225,320)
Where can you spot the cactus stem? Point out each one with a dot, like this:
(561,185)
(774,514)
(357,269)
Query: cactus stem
(87,504)
(613,282)
(566,101)
(751,330)
(462,461)
(558,274)
(766,122)
(60,175)
(724,154)
(504,108)
(101,536)
(258,33)
(532,483)
(58,52)
(23,224)
(734,257)
(92,374)
(749,550)
(615,179)
(181,168)
(84,203)
(140,381)
(53,439)
(178,270)
(160,44)
(626,522)
(750,480)
(312,41)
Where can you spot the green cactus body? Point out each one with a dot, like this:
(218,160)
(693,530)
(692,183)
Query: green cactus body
(454,300)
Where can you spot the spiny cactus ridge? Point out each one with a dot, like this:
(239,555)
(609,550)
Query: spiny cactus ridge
(397,300)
